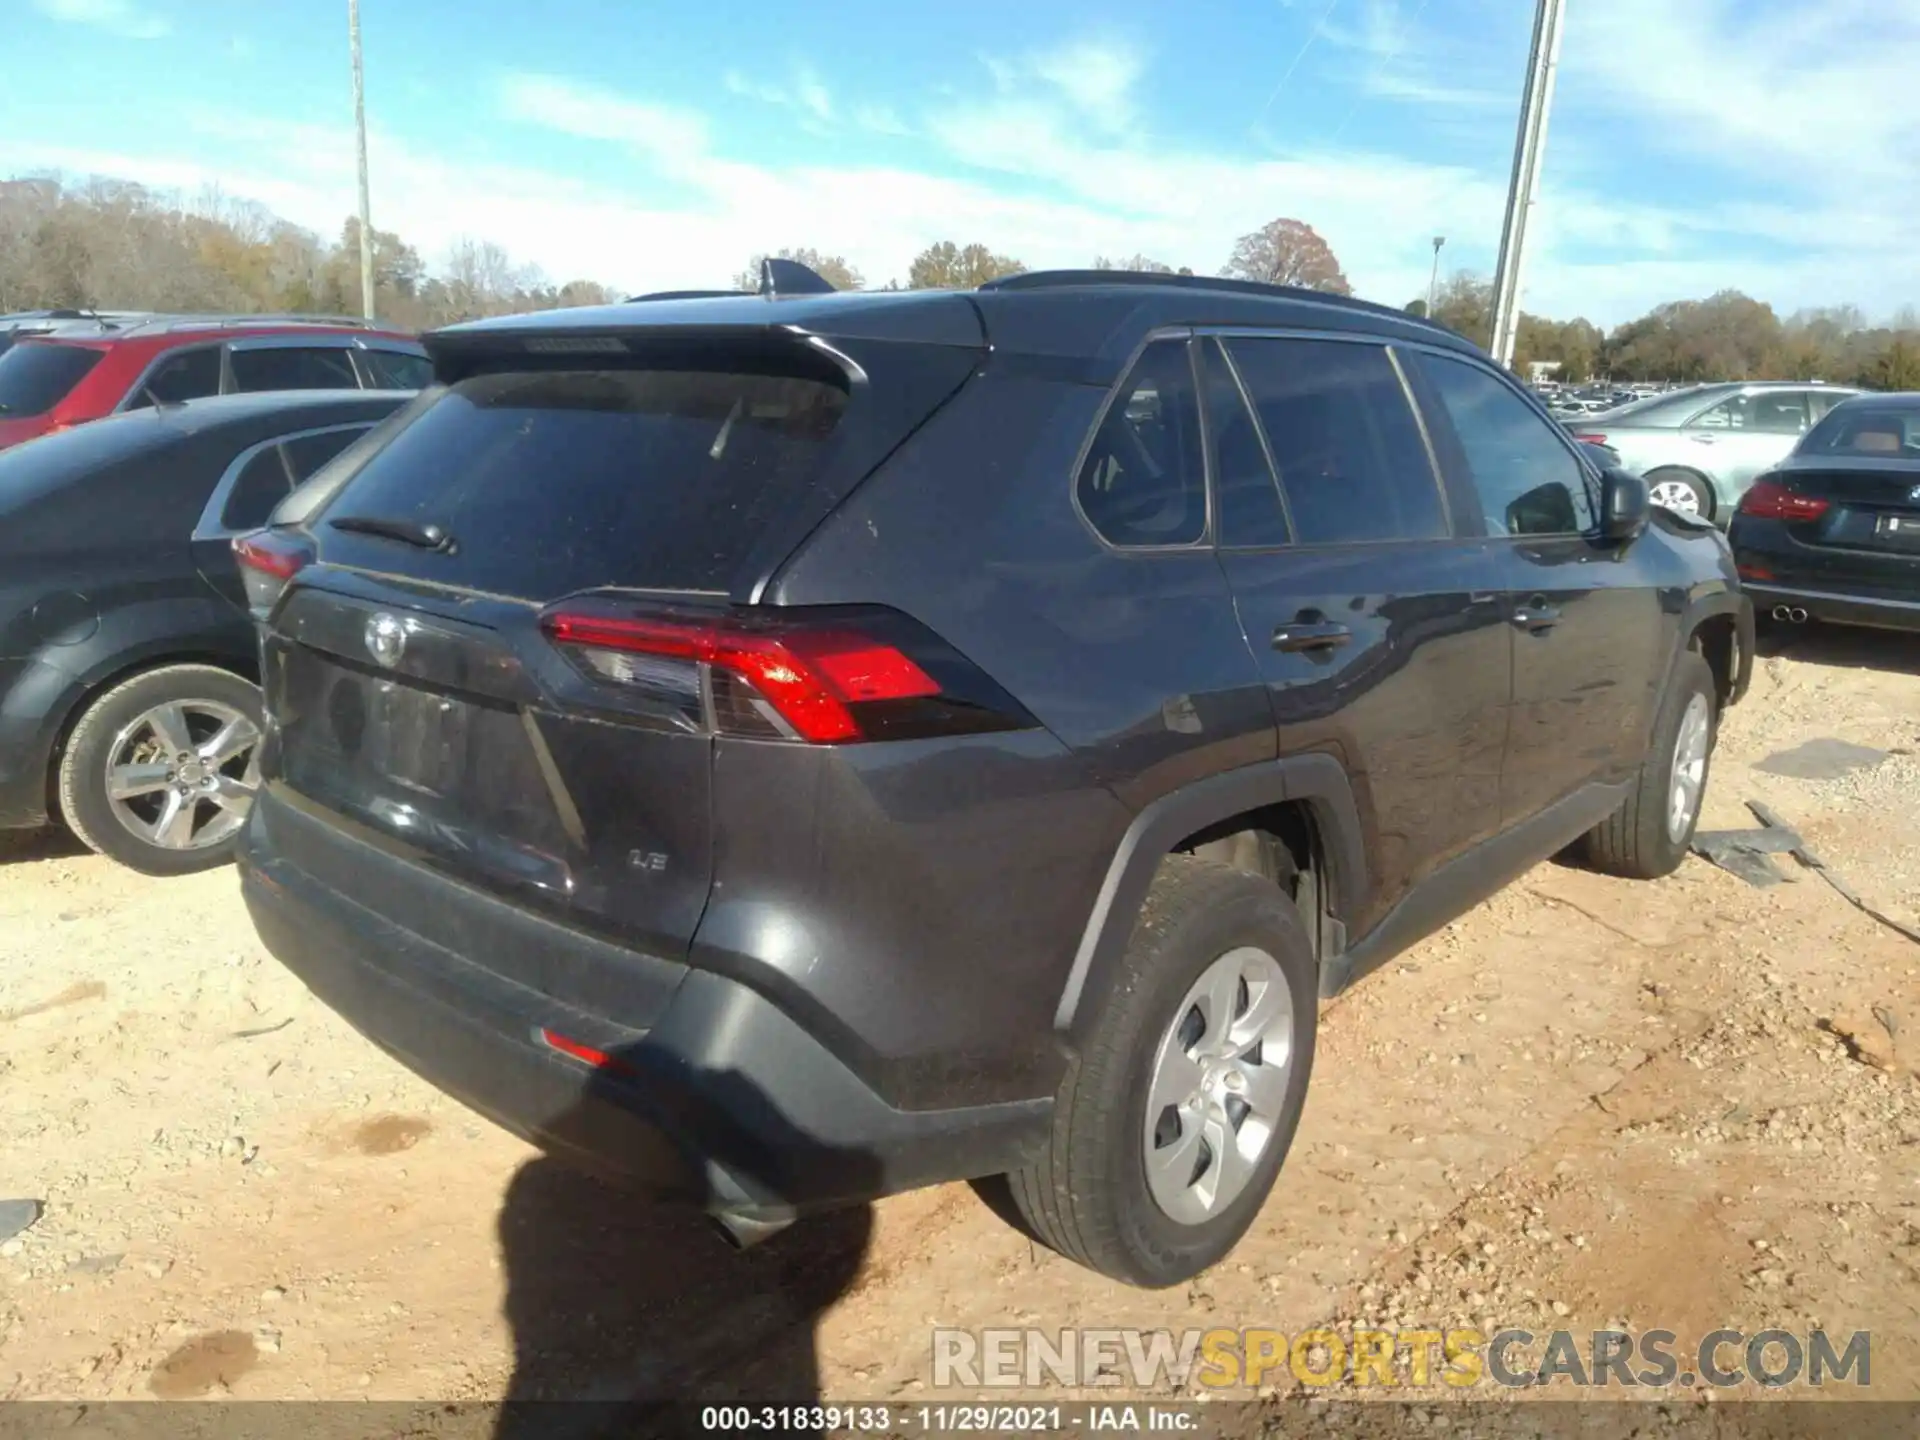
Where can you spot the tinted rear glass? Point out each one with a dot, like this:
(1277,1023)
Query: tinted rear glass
(36,377)
(1889,431)
(564,480)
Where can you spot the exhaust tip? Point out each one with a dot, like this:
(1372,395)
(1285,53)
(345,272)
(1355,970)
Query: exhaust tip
(743,1232)
(1793,614)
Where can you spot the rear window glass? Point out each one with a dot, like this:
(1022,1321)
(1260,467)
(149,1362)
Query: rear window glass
(1889,430)
(36,377)
(290,368)
(563,480)
(391,370)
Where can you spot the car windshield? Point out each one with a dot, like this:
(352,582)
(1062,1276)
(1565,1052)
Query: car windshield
(36,376)
(1886,428)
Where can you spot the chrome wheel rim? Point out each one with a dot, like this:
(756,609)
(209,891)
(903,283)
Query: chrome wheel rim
(1689,767)
(182,776)
(1218,1085)
(1675,495)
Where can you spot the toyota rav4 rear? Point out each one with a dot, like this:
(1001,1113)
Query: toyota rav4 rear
(559,816)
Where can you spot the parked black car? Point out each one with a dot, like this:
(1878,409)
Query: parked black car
(128,706)
(785,750)
(1833,533)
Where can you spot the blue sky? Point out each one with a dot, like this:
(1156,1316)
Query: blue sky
(1771,145)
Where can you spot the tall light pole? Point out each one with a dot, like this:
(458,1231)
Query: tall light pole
(360,140)
(1433,280)
(1524,189)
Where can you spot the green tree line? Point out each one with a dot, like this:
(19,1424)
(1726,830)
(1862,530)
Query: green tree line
(1727,336)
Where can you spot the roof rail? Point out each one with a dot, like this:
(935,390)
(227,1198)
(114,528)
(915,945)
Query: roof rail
(1066,279)
(682,295)
(231,322)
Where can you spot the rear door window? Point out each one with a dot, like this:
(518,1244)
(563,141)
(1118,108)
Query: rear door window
(262,484)
(1144,479)
(294,367)
(1352,463)
(188,375)
(1245,493)
(557,481)
(35,377)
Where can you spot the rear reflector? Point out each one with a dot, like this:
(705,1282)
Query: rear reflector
(1755,572)
(599,1059)
(267,562)
(1770,500)
(821,678)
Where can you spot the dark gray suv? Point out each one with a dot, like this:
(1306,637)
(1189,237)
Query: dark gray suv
(782,750)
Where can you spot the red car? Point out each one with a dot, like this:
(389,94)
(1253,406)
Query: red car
(80,373)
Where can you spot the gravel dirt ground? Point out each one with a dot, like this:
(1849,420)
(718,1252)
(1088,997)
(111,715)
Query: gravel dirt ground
(1672,1105)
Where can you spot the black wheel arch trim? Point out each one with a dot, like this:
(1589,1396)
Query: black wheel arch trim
(1317,780)
(1705,605)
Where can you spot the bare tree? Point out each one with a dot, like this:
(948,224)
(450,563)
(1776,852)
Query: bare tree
(1135,262)
(834,269)
(1287,252)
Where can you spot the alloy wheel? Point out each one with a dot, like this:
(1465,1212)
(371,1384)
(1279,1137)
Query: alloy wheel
(182,775)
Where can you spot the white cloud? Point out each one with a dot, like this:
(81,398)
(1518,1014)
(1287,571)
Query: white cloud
(1035,166)
(117,17)
(1096,76)
(672,136)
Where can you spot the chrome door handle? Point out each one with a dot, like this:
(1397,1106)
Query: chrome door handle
(1536,618)
(1310,635)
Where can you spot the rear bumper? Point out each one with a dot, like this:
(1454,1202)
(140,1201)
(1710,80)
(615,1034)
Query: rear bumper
(723,1101)
(1837,609)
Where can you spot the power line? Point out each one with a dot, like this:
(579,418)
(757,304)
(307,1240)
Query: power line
(1393,53)
(1301,54)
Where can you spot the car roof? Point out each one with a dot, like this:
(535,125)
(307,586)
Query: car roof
(214,412)
(1097,317)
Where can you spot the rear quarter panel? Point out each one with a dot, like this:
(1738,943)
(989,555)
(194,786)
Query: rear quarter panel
(932,894)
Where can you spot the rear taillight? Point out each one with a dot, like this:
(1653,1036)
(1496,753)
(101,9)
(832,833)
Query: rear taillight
(586,1054)
(1590,437)
(819,677)
(1770,500)
(267,562)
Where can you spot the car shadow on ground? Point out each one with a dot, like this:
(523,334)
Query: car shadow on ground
(628,1314)
(1850,647)
(51,842)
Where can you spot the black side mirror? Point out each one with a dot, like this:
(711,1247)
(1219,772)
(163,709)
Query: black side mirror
(1624,506)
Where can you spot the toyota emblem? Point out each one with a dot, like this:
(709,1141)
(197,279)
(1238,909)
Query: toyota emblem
(386,639)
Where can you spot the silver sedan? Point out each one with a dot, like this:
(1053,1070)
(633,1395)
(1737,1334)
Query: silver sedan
(1700,448)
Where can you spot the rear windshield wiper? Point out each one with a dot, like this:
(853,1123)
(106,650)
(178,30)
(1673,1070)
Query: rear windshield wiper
(426,536)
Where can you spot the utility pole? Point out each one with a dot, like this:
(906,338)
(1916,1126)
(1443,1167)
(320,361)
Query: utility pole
(1524,189)
(360,136)
(1433,281)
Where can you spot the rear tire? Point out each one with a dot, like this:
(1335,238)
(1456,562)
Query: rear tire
(1679,484)
(1646,838)
(1198,978)
(127,793)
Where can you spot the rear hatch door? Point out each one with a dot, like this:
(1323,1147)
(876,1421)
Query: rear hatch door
(414,695)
